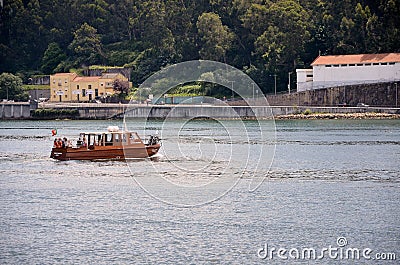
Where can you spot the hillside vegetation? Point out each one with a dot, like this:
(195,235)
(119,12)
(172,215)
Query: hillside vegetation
(260,37)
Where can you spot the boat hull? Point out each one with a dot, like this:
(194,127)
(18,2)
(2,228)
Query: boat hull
(104,152)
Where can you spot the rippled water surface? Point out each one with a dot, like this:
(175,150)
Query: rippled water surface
(328,179)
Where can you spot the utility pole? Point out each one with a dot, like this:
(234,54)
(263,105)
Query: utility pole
(396,95)
(289,82)
(232,89)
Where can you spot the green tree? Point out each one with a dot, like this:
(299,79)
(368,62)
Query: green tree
(121,88)
(284,41)
(87,46)
(216,38)
(124,26)
(179,21)
(52,57)
(11,87)
(390,25)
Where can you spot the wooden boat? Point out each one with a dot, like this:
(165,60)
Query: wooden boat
(111,145)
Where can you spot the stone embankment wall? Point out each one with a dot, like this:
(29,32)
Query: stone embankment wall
(381,94)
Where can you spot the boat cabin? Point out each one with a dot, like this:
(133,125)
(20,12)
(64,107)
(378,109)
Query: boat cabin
(118,138)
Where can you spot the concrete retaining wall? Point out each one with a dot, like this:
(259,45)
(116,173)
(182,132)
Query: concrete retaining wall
(40,80)
(228,112)
(103,111)
(198,112)
(242,112)
(39,93)
(97,72)
(14,110)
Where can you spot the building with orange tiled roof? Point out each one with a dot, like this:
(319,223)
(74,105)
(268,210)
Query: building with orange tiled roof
(338,70)
(69,87)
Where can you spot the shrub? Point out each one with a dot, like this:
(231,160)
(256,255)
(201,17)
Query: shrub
(55,113)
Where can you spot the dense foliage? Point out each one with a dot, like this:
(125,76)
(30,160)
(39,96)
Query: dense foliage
(11,88)
(261,37)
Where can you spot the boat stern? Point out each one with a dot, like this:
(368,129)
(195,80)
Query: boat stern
(58,153)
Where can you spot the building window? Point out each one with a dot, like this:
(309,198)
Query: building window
(101,84)
(367,64)
(328,65)
(359,64)
(66,96)
(335,65)
(392,63)
(375,64)
(77,86)
(83,92)
(89,87)
(352,64)
(96,92)
(383,63)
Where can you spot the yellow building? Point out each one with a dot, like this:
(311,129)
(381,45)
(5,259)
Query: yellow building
(69,87)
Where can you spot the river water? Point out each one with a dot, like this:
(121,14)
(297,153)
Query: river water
(330,181)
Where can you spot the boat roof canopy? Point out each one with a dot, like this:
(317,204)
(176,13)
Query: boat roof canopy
(117,132)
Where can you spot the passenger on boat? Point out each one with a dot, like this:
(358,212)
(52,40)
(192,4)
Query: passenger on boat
(79,142)
(63,142)
(55,143)
(58,143)
(84,142)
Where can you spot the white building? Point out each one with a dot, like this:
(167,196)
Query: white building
(339,70)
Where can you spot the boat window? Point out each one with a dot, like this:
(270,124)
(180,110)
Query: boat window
(92,139)
(109,139)
(133,136)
